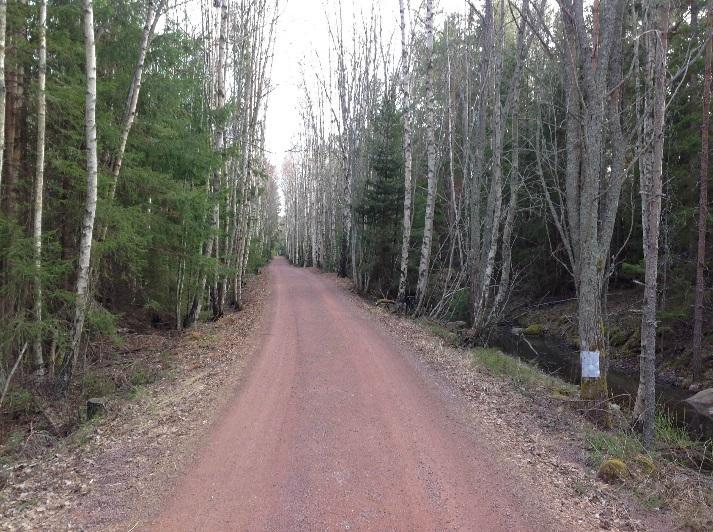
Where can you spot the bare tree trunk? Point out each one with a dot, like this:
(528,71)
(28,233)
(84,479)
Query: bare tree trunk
(38,360)
(153,13)
(214,184)
(408,158)
(90,206)
(425,262)
(219,143)
(593,91)
(3,89)
(696,362)
(656,42)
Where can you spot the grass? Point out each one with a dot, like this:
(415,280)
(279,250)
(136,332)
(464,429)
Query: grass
(439,330)
(623,445)
(521,373)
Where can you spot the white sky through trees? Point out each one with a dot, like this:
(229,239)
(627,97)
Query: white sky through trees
(303,44)
(302,37)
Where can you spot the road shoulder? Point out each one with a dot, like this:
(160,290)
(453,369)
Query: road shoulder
(113,473)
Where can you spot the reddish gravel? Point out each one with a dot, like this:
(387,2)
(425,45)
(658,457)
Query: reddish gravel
(336,428)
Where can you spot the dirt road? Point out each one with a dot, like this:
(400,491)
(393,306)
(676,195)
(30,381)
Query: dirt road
(337,428)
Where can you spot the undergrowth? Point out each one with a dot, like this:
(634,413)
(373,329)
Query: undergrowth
(519,372)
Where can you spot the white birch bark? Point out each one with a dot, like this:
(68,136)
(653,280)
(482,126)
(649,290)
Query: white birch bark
(408,158)
(425,261)
(90,206)
(153,13)
(38,359)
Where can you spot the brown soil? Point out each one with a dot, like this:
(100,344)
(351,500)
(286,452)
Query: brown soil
(317,411)
(107,474)
(335,428)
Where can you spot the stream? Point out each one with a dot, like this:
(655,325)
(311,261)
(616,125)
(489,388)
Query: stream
(556,357)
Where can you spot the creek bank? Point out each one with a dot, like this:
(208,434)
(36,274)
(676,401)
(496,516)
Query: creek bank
(558,357)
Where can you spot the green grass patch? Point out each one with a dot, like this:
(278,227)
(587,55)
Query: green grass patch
(622,445)
(501,365)
(671,435)
(439,330)
(98,385)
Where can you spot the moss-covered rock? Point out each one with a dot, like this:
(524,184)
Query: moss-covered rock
(613,470)
(534,329)
(645,463)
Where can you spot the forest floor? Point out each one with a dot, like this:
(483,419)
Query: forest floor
(316,409)
(112,468)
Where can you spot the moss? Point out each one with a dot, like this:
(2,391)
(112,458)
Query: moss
(534,329)
(633,345)
(613,470)
(645,463)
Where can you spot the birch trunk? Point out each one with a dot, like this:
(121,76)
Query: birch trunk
(90,206)
(408,159)
(214,183)
(153,13)
(38,360)
(219,144)
(425,262)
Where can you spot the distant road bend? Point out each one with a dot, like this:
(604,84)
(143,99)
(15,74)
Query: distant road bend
(335,427)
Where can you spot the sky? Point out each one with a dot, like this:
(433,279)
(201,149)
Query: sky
(302,34)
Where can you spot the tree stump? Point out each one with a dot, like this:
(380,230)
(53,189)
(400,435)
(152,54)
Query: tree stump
(95,407)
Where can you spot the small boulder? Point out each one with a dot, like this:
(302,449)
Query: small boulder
(646,463)
(702,402)
(613,470)
(96,407)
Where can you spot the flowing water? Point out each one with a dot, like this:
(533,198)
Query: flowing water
(560,359)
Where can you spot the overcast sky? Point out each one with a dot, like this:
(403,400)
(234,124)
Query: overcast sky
(302,33)
(302,36)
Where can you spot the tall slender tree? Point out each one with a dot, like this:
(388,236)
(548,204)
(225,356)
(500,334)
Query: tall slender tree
(39,181)
(696,363)
(408,157)
(651,177)
(425,261)
(90,205)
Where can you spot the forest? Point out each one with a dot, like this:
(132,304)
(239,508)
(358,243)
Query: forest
(134,184)
(338,264)
(516,154)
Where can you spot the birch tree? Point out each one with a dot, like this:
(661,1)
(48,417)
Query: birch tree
(90,206)
(425,261)
(39,181)
(408,157)
(154,10)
